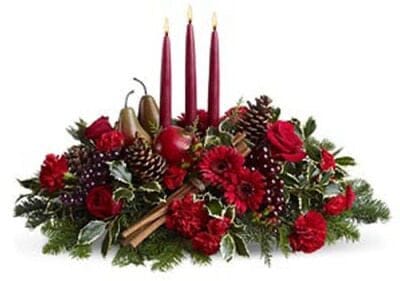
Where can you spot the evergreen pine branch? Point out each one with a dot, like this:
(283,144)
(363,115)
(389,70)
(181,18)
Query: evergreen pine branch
(78,131)
(62,234)
(199,258)
(80,251)
(127,255)
(342,228)
(34,209)
(370,211)
(171,255)
(366,209)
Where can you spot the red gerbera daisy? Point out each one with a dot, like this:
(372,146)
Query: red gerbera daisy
(247,192)
(220,164)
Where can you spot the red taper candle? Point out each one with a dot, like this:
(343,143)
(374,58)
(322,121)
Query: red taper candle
(213,82)
(165,87)
(190,73)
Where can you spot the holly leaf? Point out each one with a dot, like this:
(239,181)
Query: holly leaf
(215,208)
(123,193)
(241,246)
(309,127)
(91,232)
(227,247)
(120,172)
(345,161)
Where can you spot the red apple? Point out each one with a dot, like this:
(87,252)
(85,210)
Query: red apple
(173,143)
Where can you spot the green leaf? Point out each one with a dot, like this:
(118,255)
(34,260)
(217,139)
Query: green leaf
(327,145)
(345,161)
(152,187)
(107,243)
(91,232)
(78,131)
(120,172)
(241,246)
(123,193)
(313,151)
(227,247)
(289,180)
(215,208)
(332,189)
(31,184)
(309,127)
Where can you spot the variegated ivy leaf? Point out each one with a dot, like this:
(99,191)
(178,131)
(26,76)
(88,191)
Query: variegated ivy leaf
(227,247)
(241,246)
(332,190)
(91,232)
(123,193)
(120,172)
(152,187)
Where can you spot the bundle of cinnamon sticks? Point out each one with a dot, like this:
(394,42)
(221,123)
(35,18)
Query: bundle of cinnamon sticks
(143,228)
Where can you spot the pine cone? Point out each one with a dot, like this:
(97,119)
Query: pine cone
(255,120)
(143,162)
(77,157)
(260,159)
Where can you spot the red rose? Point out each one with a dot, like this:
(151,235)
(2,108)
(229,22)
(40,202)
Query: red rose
(52,173)
(218,227)
(174,177)
(186,216)
(206,243)
(336,205)
(97,128)
(309,232)
(110,141)
(340,203)
(286,144)
(100,204)
(327,161)
(201,119)
(350,196)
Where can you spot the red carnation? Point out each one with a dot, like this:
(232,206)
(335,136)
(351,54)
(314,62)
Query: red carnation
(336,205)
(110,141)
(52,172)
(340,203)
(219,164)
(286,144)
(173,177)
(247,191)
(202,121)
(218,227)
(100,204)
(206,243)
(309,232)
(327,160)
(186,216)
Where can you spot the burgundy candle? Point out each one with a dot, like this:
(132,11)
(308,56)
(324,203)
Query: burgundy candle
(213,82)
(190,72)
(165,89)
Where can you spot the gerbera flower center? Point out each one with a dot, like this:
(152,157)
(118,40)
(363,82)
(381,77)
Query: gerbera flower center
(245,189)
(220,166)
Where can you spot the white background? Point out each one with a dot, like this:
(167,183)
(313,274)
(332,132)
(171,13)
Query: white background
(336,60)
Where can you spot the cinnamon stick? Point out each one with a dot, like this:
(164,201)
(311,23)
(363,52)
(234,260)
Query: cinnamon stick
(156,212)
(147,231)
